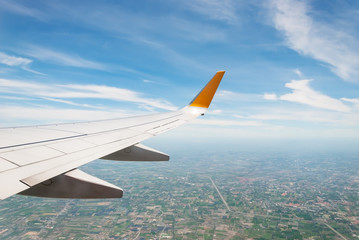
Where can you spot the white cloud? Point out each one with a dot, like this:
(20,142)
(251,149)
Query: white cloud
(214,112)
(354,101)
(303,93)
(235,96)
(351,100)
(76,91)
(298,72)
(15,98)
(113,93)
(21,87)
(239,116)
(147,81)
(270,96)
(225,93)
(69,102)
(315,39)
(14,61)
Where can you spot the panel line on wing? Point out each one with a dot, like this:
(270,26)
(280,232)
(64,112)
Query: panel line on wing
(44,141)
(6,165)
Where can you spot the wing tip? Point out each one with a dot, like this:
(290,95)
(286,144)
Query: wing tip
(205,96)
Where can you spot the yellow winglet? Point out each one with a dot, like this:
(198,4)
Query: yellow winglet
(205,96)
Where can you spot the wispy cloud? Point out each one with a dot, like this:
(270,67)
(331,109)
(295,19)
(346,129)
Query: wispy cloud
(61,58)
(147,81)
(70,102)
(15,98)
(270,96)
(236,96)
(215,112)
(14,7)
(221,10)
(304,94)
(354,101)
(319,40)
(298,72)
(75,91)
(13,61)
(112,93)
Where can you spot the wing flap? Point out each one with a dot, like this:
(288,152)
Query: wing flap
(74,184)
(137,152)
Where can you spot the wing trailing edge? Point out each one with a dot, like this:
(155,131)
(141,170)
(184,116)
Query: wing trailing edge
(137,152)
(74,184)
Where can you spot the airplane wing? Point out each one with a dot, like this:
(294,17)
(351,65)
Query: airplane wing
(43,160)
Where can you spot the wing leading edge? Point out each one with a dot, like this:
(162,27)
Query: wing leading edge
(43,160)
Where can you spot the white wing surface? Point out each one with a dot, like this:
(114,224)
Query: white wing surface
(43,160)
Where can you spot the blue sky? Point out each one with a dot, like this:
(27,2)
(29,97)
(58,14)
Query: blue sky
(292,67)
